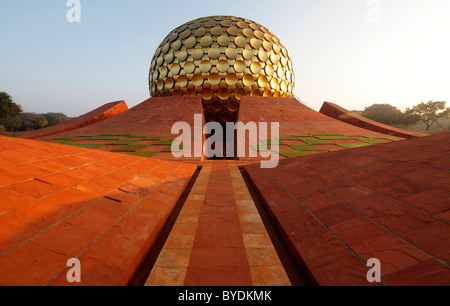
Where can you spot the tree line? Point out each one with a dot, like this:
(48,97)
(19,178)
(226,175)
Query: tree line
(13,119)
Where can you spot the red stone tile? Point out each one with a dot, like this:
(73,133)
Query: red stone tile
(335,214)
(428,273)
(30,265)
(433,238)
(357,230)
(66,239)
(217,276)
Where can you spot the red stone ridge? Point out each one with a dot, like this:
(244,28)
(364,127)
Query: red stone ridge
(153,117)
(294,117)
(60,202)
(339,113)
(104,112)
(337,210)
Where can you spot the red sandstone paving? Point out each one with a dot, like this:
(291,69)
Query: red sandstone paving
(54,214)
(378,220)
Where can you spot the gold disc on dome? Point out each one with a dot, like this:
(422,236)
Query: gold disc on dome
(248,80)
(231,53)
(214,53)
(223,41)
(182,81)
(231,79)
(216,31)
(259,34)
(233,106)
(223,93)
(175,69)
(223,66)
(214,79)
(242,24)
(263,56)
(207,93)
(197,80)
(189,67)
(206,41)
(217,106)
(200,32)
(239,66)
(168,83)
(255,43)
(248,54)
(248,32)
(181,55)
(256,93)
(262,82)
(240,41)
(205,66)
(191,92)
(190,42)
(197,54)
(226,23)
(255,67)
(239,93)
(233,31)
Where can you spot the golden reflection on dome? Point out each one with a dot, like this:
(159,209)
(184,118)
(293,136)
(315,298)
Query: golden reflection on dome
(221,59)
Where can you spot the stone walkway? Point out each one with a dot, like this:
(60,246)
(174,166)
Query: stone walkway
(219,238)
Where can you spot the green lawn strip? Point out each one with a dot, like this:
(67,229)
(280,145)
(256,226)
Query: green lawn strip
(301,136)
(106,138)
(130,148)
(86,146)
(145,153)
(112,135)
(269,142)
(288,138)
(333,137)
(316,142)
(124,142)
(292,153)
(370,140)
(305,147)
(152,138)
(353,145)
(326,135)
(163,142)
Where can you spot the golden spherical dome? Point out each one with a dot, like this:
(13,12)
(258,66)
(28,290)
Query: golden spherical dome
(221,59)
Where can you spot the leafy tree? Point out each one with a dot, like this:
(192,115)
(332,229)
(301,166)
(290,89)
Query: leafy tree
(40,122)
(8,108)
(28,121)
(12,124)
(389,115)
(55,118)
(430,112)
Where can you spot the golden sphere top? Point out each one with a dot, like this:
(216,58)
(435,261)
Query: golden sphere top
(221,59)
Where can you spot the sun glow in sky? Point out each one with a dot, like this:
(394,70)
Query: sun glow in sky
(351,52)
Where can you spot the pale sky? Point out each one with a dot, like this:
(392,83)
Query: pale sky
(351,52)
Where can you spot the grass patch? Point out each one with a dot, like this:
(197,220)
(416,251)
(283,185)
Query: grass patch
(340,137)
(145,153)
(87,146)
(305,147)
(370,140)
(291,154)
(163,142)
(301,136)
(316,142)
(105,138)
(353,145)
(130,148)
(123,142)
(326,135)
(270,142)
(288,138)
(152,138)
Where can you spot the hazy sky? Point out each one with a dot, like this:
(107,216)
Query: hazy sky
(351,52)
